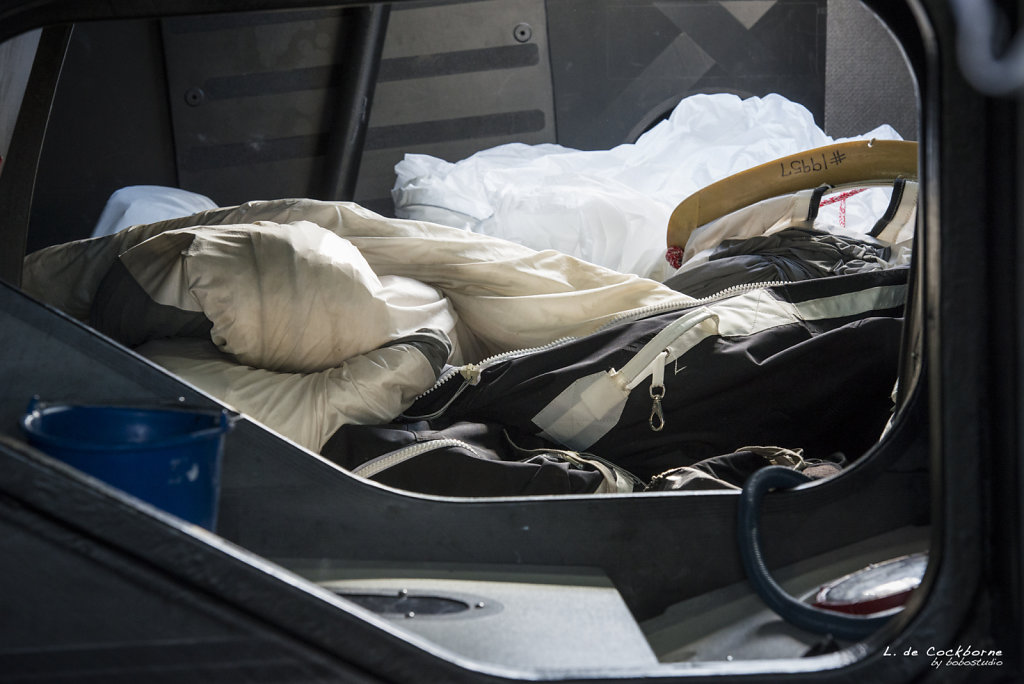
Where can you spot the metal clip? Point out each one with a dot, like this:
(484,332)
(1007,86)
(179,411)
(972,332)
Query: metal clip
(657,392)
(657,419)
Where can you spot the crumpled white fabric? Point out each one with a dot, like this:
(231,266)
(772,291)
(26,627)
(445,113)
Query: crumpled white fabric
(505,296)
(307,408)
(285,297)
(609,207)
(137,204)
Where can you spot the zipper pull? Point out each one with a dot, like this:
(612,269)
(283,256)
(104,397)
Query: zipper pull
(657,392)
(471,373)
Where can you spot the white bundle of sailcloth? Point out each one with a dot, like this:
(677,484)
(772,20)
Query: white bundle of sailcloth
(308,315)
(611,207)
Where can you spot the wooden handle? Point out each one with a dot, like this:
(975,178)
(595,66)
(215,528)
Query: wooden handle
(860,161)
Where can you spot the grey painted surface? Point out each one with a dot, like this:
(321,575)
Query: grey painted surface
(868,81)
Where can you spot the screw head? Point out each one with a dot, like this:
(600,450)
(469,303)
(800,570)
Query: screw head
(523,32)
(194,97)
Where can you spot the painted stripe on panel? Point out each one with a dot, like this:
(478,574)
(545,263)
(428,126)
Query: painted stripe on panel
(201,158)
(395,69)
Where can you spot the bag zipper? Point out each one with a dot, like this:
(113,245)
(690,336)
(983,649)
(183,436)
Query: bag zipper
(378,465)
(375,466)
(471,372)
(651,360)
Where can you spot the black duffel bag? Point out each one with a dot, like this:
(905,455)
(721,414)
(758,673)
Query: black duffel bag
(809,365)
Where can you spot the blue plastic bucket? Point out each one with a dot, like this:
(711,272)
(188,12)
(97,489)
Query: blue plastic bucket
(167,457)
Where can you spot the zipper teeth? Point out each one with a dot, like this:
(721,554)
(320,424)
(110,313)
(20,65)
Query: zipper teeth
(480,365)
(665,307)
(376,466)
(496,358)
(634,314)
